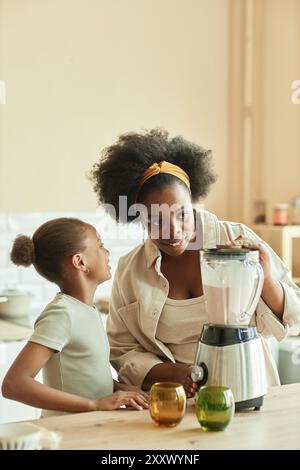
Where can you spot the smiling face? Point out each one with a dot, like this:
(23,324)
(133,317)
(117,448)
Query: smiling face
(170,219)
(95,256)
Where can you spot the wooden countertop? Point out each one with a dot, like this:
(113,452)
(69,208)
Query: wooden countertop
(10,331)
(275,426)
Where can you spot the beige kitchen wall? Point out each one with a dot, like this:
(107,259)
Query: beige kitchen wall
(279,140)
(264,142)
(78,73)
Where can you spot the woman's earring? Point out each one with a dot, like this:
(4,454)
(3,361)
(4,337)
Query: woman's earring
(87,271)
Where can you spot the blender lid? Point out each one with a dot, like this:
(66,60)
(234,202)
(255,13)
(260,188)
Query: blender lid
(227,253)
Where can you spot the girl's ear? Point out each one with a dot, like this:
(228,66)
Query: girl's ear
(78,262)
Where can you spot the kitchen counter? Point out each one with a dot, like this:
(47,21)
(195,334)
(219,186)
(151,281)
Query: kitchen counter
(275,426)
(10,331)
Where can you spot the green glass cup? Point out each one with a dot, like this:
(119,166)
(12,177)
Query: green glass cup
(214,408)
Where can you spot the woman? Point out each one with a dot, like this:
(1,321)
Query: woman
(157,306)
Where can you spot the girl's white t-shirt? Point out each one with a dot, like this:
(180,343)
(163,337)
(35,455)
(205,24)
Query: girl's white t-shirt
(80,364)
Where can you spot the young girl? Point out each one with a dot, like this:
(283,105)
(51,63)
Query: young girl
(69,342)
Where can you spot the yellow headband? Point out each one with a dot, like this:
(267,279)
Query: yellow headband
(165,167)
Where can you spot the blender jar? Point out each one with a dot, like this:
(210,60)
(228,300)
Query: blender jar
(232,281)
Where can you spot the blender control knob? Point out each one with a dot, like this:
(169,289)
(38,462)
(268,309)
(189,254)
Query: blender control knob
(199,373)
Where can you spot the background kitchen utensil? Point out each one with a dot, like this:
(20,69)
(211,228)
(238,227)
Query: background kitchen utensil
(296,211)
(19,436)
(14,303)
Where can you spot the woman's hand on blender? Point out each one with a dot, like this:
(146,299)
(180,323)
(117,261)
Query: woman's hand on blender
(189,386)
(272,292)
(264,257)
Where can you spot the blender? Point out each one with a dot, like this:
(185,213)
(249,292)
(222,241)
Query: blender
(229,351)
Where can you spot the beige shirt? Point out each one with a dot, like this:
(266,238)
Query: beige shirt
(140,292)
(81,364)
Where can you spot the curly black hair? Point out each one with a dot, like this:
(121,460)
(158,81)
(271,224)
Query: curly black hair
(122,165)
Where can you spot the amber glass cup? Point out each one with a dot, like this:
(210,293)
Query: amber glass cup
(167,403)
(214,408)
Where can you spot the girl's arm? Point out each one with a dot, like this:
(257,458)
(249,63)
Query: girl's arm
(19,384)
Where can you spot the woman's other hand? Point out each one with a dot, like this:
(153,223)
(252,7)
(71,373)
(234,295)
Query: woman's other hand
(264,257)
(189,386)
(272,292)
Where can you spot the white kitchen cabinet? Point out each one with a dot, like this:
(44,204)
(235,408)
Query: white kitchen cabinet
(11,410)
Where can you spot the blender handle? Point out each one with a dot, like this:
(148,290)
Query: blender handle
(253,303)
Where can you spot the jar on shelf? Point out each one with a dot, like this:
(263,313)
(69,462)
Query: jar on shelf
(296,211)
(259,211)
(280,214)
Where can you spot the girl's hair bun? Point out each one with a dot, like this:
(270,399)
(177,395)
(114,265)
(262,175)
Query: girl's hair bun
(22,253)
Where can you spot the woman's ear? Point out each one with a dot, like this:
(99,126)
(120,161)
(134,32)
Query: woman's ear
(78,262)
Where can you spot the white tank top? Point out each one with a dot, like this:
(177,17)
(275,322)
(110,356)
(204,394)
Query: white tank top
(180,325)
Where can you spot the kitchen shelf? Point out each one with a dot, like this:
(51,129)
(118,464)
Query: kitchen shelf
(281,239)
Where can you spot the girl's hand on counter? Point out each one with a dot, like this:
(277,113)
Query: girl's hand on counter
(120,398)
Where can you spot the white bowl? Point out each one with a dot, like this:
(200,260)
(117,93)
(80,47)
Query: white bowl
(19,436)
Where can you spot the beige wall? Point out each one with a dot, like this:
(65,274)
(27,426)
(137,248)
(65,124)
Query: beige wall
(280,140)
(79,73)
(264,138)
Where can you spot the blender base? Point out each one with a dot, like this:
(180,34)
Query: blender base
(255,403)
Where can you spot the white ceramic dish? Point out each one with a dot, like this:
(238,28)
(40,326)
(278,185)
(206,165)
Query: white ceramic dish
(14,303)
(19,436)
